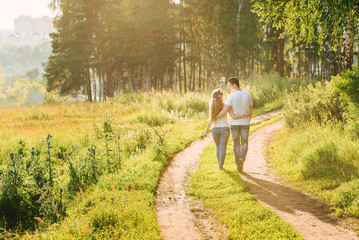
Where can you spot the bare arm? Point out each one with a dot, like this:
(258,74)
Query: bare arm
(225,109)
(209,123)
(233,116)
(248,114)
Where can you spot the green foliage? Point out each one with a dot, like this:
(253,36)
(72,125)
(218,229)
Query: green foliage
(108,214)
(26,191)
(131,99)
(317,103)
(161,148)
(269,88)
(36,94)
(52,207)
(335,101)
(23,92)
(83,170)
(310,20)
(319,151)
(14,199)
(323,159)
(113,40)
(32,74)
(348,84)
(153,119)
(346,198)
(196,105)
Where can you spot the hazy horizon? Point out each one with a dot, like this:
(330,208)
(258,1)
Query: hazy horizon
(15,8)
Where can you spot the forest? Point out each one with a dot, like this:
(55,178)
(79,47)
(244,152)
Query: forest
(103,48)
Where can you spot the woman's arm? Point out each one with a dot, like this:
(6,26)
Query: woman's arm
(209,123)
(226,108)
(233,116)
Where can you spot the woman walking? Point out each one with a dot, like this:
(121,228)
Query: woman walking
(220,128)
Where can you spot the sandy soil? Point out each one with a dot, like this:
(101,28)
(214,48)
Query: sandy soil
(181,217)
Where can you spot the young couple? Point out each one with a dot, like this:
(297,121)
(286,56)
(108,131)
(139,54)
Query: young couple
(239,105)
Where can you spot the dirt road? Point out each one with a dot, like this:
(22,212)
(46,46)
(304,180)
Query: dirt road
(308,216)
(180,217)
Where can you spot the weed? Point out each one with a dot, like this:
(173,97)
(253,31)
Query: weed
(153,119)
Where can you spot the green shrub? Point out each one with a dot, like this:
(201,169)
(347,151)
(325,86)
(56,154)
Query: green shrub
(131,99)
(135,141)
(153,119)
(317,103)
(347,198)
(171,105)
(84,170)
(269,88)
(322,159)
(28,190)
(197,105)
(347,84)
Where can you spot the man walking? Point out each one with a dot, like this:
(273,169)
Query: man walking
(241,103)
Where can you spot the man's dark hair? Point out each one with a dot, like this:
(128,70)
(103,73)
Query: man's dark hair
(234,80)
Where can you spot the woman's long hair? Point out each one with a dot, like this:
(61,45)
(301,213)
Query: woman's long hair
(216,104)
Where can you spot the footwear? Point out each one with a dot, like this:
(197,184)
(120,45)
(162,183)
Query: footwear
(240,165)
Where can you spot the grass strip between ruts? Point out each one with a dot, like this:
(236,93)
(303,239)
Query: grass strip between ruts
(226,194)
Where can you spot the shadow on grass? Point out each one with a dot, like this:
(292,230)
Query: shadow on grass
(234,176)
(284,199)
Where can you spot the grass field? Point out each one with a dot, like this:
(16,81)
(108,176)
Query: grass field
(314,159)
(90,170)
(134,136)
(318,150)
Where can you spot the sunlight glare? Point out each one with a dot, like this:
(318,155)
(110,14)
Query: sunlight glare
(14,8)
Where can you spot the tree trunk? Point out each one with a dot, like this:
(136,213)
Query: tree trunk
(299,62)
(88,84)
(200,72)
(108,92)
(347,45)
(180,61)
(306,63)
(184,65)
(280,53)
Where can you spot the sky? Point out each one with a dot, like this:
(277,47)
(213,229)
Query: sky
(10,9)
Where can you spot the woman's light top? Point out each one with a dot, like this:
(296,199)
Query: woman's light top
(221,122)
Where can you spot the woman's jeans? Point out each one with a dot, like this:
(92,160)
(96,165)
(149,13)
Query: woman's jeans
(220,136)
(240,135)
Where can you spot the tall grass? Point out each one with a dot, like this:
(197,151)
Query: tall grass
(319,149)
(109,151)
(272,88)
(322,159)
(106,152)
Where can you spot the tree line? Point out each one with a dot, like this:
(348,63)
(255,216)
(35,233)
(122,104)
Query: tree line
(105,47)
(16,60)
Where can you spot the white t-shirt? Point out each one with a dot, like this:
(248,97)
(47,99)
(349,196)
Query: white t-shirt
(221,122)
(240,102)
